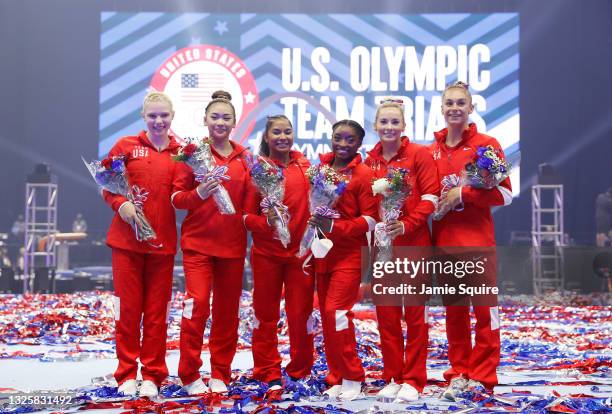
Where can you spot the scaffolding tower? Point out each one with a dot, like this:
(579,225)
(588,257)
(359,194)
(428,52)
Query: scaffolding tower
(40,230)
(547,235)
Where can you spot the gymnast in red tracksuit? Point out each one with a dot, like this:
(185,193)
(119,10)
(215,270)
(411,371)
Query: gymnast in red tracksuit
(275,266)
(468,223)
(214,250)
(339,273)
(142,271)
(405,368)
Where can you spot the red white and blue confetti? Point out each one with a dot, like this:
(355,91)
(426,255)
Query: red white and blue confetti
(550,349)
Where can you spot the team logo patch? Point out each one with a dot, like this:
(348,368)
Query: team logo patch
(192,74)
(140,151)
(436,154)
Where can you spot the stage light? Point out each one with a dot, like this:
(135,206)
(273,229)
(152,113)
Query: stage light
(42,174)
(547,175)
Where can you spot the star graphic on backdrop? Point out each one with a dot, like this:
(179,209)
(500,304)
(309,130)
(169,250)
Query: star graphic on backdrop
(249,98)
(221,27)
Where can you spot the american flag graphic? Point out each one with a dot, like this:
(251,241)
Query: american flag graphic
(190,80)
(197,87)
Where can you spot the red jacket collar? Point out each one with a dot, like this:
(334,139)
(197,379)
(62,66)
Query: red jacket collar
(376,152)
(328,159)
(465,136)
(237,151)
(294,157)
(173,145)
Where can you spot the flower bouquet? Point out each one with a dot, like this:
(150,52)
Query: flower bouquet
(201,160)
(110,174)
(327,186)
(486,171)
(269,180)
(395,187)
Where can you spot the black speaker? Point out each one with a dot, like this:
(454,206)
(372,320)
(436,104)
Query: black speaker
(7,276)
(16,285)
(82,283)
(63,285)
(43,279)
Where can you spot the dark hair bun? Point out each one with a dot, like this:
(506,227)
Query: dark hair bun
(357,128)
(222,95)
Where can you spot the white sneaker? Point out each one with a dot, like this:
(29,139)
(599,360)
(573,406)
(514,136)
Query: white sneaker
(407,393)
(195,388)
(148,389)
(216,385)
(475,386)
(129,388)
(390,390)
(350,390)
(456,387)
(333,391)
(275,385)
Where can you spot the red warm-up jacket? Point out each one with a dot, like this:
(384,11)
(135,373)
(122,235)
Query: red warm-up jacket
(155,173)
(473,226)
(205,230)
(357,207)
(295,198)
(423,198)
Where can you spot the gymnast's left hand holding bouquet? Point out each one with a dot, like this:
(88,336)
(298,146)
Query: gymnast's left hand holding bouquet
(111,175)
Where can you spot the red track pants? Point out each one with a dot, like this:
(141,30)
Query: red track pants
(338,291)
(480,362)
(404,363)
(224,277)
(270,274)
(143,288)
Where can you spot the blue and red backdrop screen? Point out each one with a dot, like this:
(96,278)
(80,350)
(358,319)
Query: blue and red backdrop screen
(313,68)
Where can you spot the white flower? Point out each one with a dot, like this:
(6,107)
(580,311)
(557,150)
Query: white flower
(380,186)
